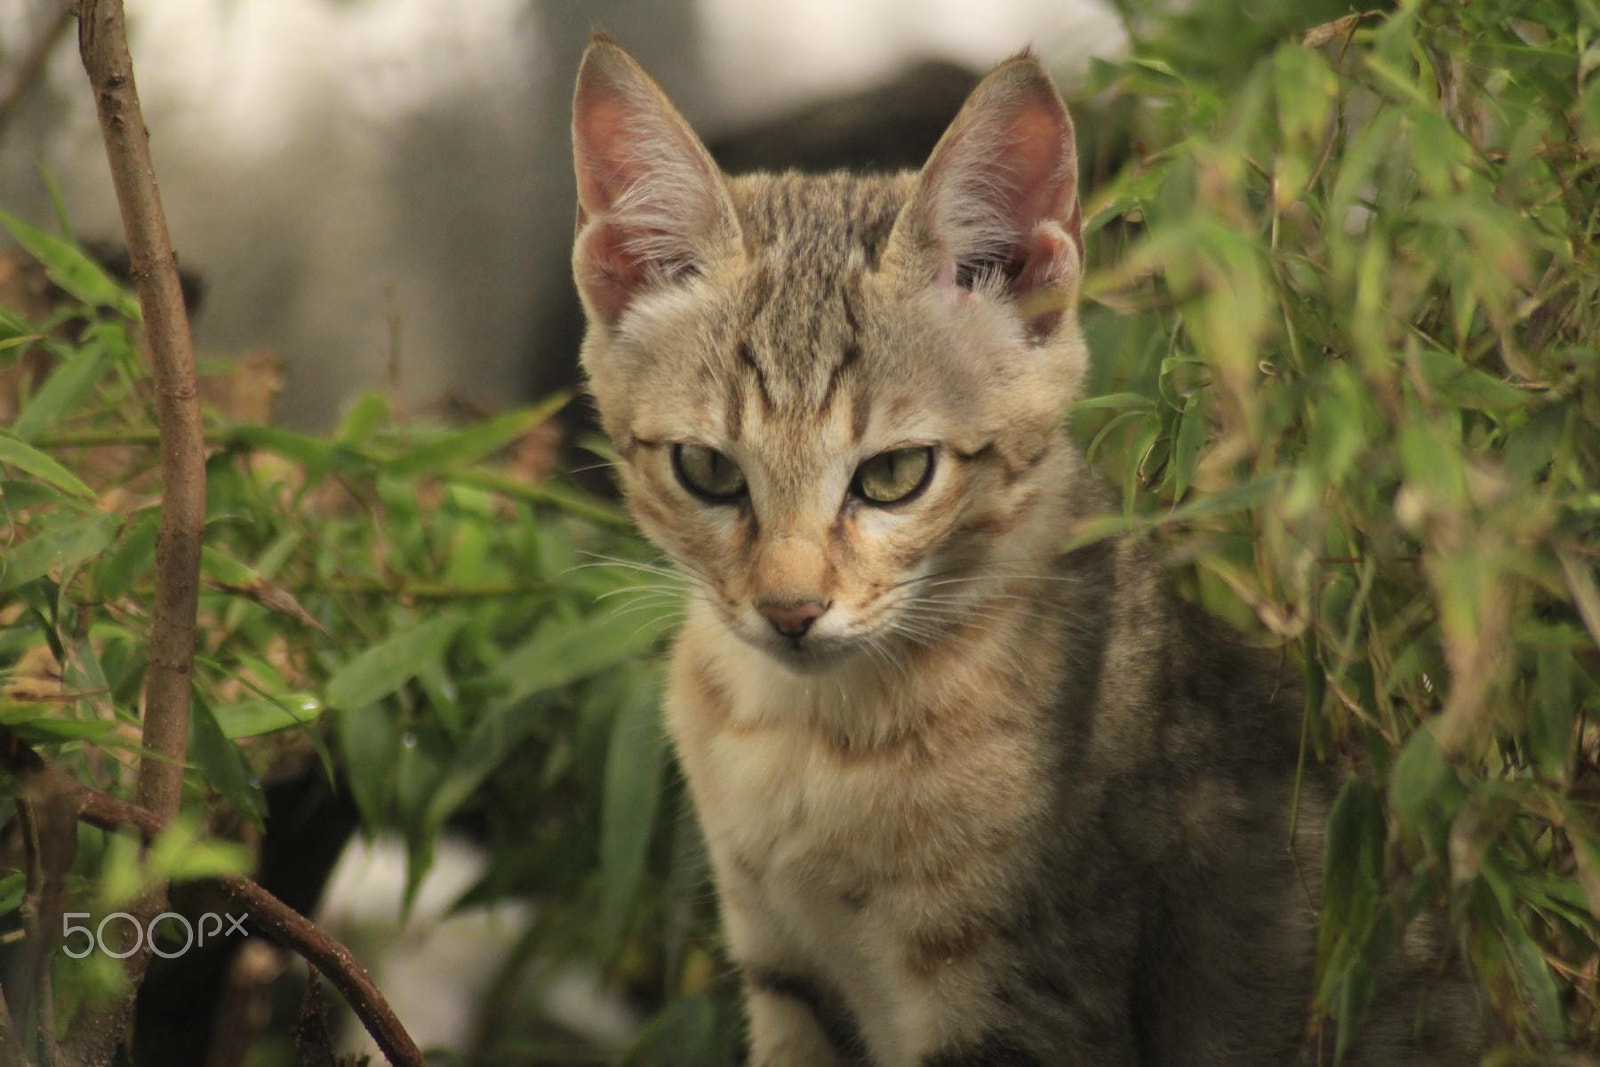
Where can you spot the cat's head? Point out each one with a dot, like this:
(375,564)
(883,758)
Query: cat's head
(837,398)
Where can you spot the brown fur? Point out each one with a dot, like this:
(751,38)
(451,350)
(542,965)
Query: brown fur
(998,804)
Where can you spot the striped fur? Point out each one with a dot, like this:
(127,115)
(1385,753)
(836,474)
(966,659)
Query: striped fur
(1001,805)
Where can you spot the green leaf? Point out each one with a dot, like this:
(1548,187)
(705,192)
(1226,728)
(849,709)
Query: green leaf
(317,456)
(493,739)
(1463,385)
(1423,788)
(12,886)
(69,268)
(1432,463)
(221,567)
(182,854)
(1354,996)
(25,457)
(49,731)
(366,416)
(1133,462)
(1111,402)
(561,653)
(21,494)
(470,445)
(1305,88)
(240,579)
(57,549)
(368,743)
(684,1033)
(635,760)
(1111,424)
(1536,984)
(265,715)
(1352,870)
(1551,714)
(63,392)
(1186,450)
(225,767)
(390,664)
(130,560)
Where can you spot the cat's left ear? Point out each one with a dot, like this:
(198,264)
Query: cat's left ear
(997,202)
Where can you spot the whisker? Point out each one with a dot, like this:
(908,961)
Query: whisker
(673,587)
(591,467)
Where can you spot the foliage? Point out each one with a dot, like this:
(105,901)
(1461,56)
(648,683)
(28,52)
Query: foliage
(1345,329)
(417,611)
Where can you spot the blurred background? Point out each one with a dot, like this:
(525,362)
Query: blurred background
(348,178)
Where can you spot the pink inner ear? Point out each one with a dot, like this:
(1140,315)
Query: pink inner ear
(1045,258)
(629,155)
(611,273)
(1040,165)
(604,170)
(1021,175)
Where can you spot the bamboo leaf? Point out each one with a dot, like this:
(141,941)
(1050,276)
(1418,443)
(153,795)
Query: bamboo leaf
(265,715)
(131,559)
(1186,450)
(635,760)
(385,667)
(560,654)
(69,268)
(468,446)
(225,767)
(64,391)
(55,550)
(18,453)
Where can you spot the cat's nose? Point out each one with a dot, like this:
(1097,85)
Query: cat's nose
(792,618)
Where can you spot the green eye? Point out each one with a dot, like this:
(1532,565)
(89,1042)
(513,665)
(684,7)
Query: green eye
(890,477)
(707,473)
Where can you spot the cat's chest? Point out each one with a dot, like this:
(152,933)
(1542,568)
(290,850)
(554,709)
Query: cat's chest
(865,861)
(837,821)
(789,803)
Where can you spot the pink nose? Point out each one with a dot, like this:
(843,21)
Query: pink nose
(794,617)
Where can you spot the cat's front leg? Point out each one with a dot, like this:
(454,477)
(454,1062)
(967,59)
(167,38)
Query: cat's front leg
(796,1018)
(793,1023)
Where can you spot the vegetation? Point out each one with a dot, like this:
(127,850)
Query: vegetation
(414,610)
(1346,371)
(1345,316)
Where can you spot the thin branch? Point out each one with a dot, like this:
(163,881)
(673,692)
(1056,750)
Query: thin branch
(11,1052)
(35,1002)
(33,875)
(33,63)
(103,46)
(267,913)
(48,823)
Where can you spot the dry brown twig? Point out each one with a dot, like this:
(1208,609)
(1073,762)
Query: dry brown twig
(103,47)
(267,913)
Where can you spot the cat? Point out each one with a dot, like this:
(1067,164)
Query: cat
(968,799)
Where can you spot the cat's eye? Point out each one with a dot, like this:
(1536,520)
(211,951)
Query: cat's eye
(894,476)
(708,474)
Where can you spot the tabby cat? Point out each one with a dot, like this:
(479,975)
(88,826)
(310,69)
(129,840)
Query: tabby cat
(968,799)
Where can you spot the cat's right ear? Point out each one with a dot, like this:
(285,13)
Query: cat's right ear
(996,207)
(652,206)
